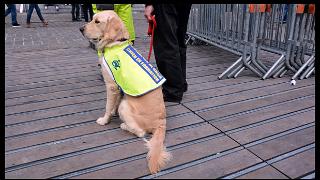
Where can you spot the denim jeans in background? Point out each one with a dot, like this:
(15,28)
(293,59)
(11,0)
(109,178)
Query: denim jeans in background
(12,9)
(31,7)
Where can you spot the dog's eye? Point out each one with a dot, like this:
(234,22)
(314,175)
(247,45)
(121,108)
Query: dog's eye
(96,21)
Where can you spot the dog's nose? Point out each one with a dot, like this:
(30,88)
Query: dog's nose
(81,28)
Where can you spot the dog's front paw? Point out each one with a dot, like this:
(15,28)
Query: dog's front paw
(124,126)
(103,121)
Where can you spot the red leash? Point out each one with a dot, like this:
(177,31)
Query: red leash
(152,26)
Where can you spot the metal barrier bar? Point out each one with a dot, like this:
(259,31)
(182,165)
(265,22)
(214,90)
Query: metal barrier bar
(246,30)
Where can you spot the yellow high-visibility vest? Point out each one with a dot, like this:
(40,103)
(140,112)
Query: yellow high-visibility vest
(131,71)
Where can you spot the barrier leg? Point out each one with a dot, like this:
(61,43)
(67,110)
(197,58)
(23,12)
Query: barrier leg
(273,67)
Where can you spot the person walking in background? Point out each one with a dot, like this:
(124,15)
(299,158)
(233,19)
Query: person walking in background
(87,8)
(12,9)
(75,12)
(169,46)
(29,14)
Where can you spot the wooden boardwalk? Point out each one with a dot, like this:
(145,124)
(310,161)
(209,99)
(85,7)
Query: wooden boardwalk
(233,128)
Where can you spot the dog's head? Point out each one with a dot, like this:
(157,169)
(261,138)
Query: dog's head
(105,28)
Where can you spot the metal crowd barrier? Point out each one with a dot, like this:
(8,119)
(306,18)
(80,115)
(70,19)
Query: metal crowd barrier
(247,29)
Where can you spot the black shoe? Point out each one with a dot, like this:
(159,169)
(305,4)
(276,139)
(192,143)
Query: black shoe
(78,19)
(16,25)
(185,89)
(171,99)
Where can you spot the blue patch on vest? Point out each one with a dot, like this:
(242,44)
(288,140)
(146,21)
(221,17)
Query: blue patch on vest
(144,64)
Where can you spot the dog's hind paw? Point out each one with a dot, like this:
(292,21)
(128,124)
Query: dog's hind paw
(102,121)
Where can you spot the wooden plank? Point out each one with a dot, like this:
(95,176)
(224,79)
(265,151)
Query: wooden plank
(72,119)
(62,82)
(18,109)
(274,127)
(70,164)
(53,112)
(53,123)
(61,144)
(52,71)
(263,114)
(215,83)
(71,109)
(284,144)
(46,105)
(78,91)
(50,65)
(229,107)
(54,129)
(217,167)
(180,156)
(214,101)
(68,81)
(297,165)
(267,172)
(42,79)
(236,88)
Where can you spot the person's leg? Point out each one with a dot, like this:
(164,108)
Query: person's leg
(13,11)
(81,11)
(29,14)
(8,10)
(183,14)
(72,11)
(85,12)
(166,50)
(38,12)
(90,11)
(77,11)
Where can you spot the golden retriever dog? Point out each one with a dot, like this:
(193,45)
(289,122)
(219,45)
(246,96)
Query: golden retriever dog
(140,114)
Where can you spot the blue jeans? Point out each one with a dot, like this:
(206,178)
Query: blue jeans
(12,9)
(31,7)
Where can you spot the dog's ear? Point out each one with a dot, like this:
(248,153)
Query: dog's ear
(114,30)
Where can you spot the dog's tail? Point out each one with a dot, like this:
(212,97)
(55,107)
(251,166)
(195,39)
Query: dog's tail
(157,155)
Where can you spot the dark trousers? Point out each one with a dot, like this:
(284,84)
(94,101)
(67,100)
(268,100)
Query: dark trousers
(30,10)
(12,9)
(170,48)
(75,11)
(85,9)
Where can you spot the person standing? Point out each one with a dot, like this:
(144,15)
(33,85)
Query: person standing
(85,9)
(12,9)
(169,46)
(75,12)
(29,14)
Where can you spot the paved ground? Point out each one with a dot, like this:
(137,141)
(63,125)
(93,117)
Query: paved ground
(233,128)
